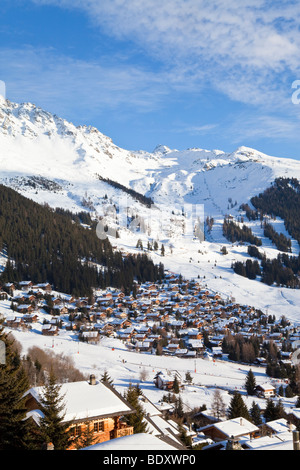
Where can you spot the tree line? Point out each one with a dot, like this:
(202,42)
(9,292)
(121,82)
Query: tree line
(235,233)
(146,200)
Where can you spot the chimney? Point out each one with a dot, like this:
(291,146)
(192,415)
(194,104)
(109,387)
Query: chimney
(92,379)
(241,421)
(296,445)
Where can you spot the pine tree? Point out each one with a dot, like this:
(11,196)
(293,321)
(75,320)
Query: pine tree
(255,414)
(237,407)
(86,438)
(178,408)
(188,377)
(136,420)
(175,385)
(52,427)
(13,384)
(105,377)
(183,436)
(250,383)
(280,413)
(270,412)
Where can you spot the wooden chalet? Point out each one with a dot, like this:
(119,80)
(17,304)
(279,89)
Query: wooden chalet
(49,330)
(91,337)
(10,288)
(231,428)
(88,404)
(3,295)
(165,381)
(265,390)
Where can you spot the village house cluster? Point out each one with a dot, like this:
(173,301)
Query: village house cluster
(175,317)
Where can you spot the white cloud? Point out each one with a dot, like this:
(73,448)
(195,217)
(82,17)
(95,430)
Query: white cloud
(268,126)
(253,32)
(229,45)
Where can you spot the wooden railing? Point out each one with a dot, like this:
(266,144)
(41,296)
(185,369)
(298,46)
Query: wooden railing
(124,431)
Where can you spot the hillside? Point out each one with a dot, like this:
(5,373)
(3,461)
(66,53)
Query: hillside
(46,244)
(49,160)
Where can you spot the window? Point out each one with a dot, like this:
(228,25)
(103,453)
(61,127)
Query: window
(76,430)
(98,426)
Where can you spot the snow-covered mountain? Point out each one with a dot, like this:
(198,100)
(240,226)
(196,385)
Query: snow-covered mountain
(52,161)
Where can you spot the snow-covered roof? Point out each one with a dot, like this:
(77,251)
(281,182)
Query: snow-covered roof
(281,441)
(140,441)
(83,400)
(233,427)
(279,425)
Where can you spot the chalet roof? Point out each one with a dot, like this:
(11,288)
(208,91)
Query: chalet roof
(280,441)
(85,401)
(265,386)
(233,427)
(280,425)
(140,441)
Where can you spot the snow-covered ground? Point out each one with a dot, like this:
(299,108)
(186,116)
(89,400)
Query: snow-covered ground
(126,367)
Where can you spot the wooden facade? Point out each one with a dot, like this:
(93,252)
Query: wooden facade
(103,427)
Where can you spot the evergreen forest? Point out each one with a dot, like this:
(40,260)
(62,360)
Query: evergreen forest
(48,245)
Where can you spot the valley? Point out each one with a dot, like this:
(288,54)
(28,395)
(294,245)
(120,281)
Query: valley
(115,207)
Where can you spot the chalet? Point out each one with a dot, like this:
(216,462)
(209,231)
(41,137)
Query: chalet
(196,345)
(25,308)
(60,309)
(217,351)
(278,426)
(173,347)
(44,286)
(25,285)
(12,321)
(3,295)
(30,318)
(91,337)
(143,346)
(49,330)
(165,381)
(265,390)
(91,404)
(232,428)
(10,288)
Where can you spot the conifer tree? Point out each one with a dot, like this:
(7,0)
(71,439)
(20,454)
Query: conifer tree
(87,437)
(178,407)
(175,385)
(136,420)
(250,383)
(237,407)
(183,436)
(105,377)
(270,412)
(52,427)
(255,414)
(13,384)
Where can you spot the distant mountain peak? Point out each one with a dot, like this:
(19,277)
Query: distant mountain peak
(162,149)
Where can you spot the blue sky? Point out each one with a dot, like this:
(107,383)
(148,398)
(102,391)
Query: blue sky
(184,73)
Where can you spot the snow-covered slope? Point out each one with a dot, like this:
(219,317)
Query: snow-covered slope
(50,160)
